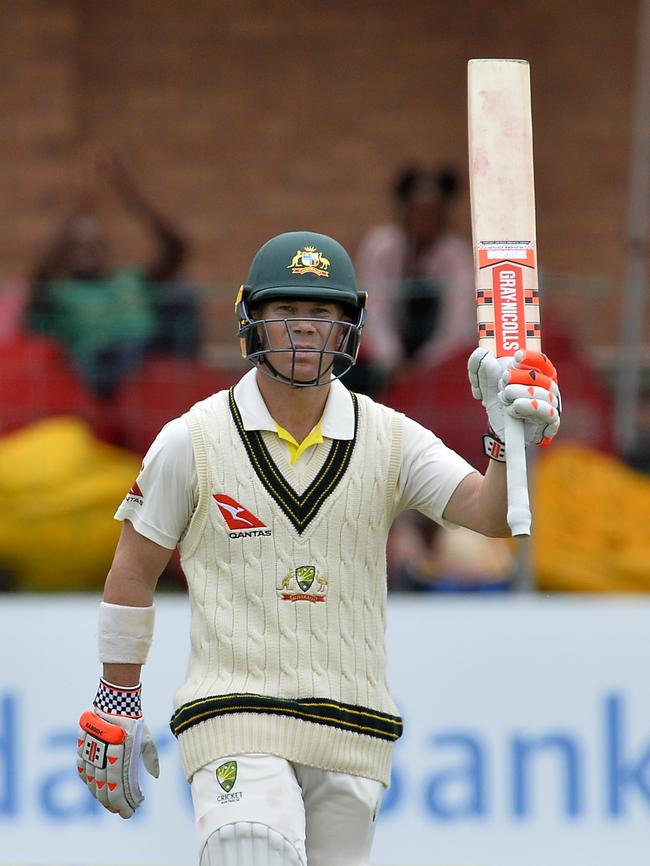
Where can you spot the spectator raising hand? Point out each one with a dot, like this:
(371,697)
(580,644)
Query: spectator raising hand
(109,315)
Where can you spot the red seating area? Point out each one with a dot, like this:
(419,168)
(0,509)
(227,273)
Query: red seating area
(162,389)
(37,380)
(439,398)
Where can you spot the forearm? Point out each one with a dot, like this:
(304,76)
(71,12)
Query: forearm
(493,500)
(125,634)
(130,590)
(122,675)
(480,502)
(172,247)
(131,583)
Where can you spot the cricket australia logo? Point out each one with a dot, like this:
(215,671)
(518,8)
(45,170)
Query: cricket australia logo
(226,777)
(303,578)
(309,261)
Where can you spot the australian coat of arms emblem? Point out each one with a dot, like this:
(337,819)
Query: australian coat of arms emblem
(309,261)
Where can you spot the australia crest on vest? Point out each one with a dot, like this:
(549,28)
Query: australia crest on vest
(303,583)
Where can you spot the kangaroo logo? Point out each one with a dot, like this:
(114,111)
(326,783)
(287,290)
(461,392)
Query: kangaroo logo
(235,515)
(303,578)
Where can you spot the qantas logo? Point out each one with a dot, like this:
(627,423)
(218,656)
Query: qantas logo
(240,521)
(135,494)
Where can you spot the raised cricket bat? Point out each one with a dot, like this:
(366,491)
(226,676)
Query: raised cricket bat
(502,192)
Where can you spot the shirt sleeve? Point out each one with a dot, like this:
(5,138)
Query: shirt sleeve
(163,498)
(429,474)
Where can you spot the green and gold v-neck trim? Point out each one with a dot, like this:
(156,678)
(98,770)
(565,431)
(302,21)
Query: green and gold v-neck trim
(301,508)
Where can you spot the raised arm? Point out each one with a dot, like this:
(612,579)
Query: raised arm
(78,220)
(171,246)
(526,389)
(480,502)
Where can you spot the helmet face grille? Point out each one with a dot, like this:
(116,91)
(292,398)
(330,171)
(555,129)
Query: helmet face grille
(333,361)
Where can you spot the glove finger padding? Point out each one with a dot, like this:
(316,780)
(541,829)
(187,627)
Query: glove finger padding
(484,372)
(529,391)
(526,359)
(533,369)
(100,758)
(528,378)
(543,416)
(108,753)
(524,386)
(510,393)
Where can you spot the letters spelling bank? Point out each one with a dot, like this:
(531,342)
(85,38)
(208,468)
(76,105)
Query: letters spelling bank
(615,771)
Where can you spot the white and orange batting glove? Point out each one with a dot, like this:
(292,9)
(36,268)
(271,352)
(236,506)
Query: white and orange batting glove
(525,387)
(112,737)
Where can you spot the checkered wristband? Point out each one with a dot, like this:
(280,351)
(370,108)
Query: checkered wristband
(494,448)
(119,700)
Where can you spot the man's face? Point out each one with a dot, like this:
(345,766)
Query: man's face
(423,215)
(87,250)
(301,330)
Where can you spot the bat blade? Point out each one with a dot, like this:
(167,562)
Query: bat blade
(502,195)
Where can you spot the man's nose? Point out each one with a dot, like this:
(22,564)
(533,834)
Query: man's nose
(303,326)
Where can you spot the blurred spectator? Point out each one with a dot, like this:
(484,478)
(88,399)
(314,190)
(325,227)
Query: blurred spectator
(419,276)
(424,556)
(110,317)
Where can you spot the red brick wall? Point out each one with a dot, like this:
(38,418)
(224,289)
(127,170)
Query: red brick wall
(244,118)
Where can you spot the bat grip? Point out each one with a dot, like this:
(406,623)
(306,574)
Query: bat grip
(516,477)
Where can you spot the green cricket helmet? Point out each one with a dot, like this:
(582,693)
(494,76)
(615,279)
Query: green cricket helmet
(303,266)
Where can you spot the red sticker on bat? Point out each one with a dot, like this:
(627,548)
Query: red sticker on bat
(509,312)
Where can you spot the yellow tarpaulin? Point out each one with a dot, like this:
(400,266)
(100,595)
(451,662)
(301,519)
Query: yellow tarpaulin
(59,489)
(591,527)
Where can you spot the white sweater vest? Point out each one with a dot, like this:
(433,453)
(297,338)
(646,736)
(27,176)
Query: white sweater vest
(288,597)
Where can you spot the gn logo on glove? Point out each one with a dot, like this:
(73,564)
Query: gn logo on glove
(94,751)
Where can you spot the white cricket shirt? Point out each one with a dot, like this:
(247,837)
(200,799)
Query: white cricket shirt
(161,502)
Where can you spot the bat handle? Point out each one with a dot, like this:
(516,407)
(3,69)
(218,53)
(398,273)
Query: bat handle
(516,477)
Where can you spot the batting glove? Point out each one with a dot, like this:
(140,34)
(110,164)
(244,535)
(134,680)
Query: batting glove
(524,386)
(111,739)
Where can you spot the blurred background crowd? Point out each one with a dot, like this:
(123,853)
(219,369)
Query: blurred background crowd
(148,150)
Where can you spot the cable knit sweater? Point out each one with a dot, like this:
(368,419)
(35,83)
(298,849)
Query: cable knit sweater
(287,584)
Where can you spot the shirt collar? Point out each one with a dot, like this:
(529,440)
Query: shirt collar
(338,416)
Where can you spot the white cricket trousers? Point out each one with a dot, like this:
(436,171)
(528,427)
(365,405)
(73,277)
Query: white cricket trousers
(328,817)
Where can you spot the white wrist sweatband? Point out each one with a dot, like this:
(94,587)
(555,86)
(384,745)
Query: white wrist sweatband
(125,633)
